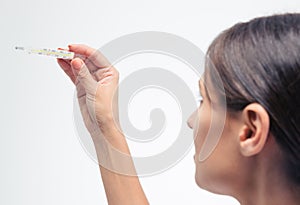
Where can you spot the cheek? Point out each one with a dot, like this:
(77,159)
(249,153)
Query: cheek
(202,125)
(218,171)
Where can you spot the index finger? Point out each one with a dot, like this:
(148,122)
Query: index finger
(95,56)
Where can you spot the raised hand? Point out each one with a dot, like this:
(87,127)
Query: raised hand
(96,81)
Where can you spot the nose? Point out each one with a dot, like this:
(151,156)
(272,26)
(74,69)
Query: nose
(190,122)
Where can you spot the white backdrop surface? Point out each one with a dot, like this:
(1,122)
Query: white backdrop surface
(42,161)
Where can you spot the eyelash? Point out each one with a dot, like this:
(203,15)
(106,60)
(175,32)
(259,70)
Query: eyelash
(199,99)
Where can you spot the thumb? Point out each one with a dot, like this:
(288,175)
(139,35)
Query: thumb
(83,75)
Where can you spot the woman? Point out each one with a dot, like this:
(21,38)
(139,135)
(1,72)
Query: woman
(257,159)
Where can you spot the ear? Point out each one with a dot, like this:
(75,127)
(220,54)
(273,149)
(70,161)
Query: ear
(255,130)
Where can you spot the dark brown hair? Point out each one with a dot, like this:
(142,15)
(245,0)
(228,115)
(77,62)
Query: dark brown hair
(259,61)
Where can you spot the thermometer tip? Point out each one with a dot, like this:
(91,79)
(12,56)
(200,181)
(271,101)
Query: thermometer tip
(19,48)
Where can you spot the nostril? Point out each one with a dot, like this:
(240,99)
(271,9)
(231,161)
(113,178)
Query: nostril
(189,123)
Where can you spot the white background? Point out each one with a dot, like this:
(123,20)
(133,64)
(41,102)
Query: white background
(42,161)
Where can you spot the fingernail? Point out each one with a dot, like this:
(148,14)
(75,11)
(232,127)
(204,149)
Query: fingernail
(77,64)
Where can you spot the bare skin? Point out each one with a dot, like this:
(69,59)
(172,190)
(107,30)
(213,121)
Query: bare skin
(120,189)
(245,164)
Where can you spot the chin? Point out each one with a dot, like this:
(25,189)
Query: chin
(200,179)
(206,182)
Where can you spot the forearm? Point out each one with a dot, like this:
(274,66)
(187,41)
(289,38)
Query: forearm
(97,88)
(118,174)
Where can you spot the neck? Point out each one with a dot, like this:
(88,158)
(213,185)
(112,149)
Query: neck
(270,191)
(267,183)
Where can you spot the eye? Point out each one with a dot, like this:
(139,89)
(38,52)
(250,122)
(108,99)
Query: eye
(199,100)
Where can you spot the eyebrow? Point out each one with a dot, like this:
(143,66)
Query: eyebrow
(200,87)
(205,90)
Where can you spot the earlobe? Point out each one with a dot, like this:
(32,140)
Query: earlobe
(255,130)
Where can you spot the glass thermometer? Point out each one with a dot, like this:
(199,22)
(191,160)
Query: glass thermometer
(62,54)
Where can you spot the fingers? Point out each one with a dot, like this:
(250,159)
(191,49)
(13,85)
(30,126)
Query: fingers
(66,67)
(84,76)
(103,74)
(93,55)
(82,49)
(87,68)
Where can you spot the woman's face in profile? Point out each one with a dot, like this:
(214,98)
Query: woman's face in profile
(219,170)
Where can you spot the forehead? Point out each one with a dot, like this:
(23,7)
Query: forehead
(207,89)
(203,90)
(201,82)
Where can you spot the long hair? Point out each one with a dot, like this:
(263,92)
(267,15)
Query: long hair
(259,61)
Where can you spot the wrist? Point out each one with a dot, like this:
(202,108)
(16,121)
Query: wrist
(106,126)
(108,122)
